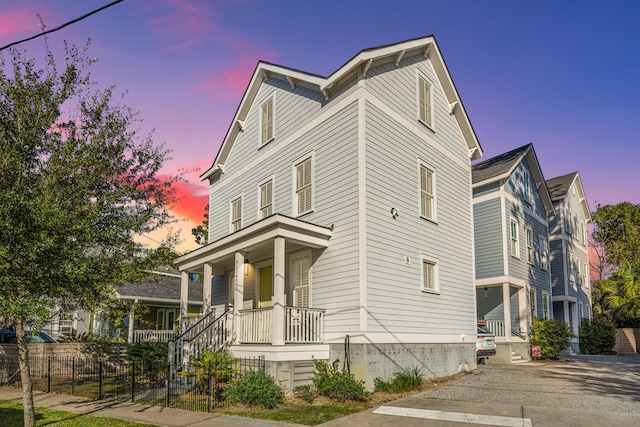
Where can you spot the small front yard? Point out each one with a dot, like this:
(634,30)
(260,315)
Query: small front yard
(12,416)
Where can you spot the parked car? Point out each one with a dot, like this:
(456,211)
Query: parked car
(8,336)
(485,344)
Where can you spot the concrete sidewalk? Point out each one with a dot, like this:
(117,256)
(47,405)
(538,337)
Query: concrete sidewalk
(156,415)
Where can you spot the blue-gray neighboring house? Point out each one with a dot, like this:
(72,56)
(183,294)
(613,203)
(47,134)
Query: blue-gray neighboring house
(570,251)
(511,208)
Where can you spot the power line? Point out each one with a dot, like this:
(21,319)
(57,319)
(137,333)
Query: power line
(59,27)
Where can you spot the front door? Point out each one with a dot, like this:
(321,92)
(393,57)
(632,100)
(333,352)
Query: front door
(266,286)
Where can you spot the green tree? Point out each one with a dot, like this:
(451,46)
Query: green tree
(620,295)
(77,184)
(616,229)
(201,232)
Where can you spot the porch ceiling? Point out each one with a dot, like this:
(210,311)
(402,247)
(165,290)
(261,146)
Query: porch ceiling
(255,239)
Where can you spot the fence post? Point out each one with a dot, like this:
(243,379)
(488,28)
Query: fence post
(100,381)
(169,386)
(133,382)
(73,376)
(49,375)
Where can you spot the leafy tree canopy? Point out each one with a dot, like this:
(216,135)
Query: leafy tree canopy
(201,232)
(617,231)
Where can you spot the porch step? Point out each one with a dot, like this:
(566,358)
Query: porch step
(516,358)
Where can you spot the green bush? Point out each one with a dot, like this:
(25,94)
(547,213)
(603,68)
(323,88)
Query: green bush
(148,352)
(214,368)
(405,380)
(552,336)
(337,384)
(256,388)
(597,337)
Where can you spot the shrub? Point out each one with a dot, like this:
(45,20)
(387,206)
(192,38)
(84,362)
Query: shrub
(148,352)
(405,380)
(337,384)
(597,337)
(305,392)
(256,388)
(552,336)
(212,367)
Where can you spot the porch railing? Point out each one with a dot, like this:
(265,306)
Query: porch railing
(303,325)
(496,327)
(153,336)
(256,326)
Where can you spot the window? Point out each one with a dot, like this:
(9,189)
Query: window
(529,235)
(304,189)
(583,233)
(236,214)
(585,271)
(567,222)
(266,121)
(424,101)
(300,283)
(545,305)
(426,193)
(526,189)
(514,239)
(581,309)
(574,227)
(532,303)
(266,199)
(543,253)
(429,274)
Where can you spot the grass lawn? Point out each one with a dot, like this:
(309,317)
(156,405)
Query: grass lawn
(11,415)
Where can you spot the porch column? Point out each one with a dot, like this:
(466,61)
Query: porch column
(206,289)
(565,311)
(238,298)
(184,298)
(131,320)
(506,304)
(278,291)
(524,311)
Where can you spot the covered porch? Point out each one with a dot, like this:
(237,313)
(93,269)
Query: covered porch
(258,282)
(502,308)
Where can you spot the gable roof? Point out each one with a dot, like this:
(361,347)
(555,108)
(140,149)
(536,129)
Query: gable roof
(559,189)
(501,167)
(362,61)
(160,289)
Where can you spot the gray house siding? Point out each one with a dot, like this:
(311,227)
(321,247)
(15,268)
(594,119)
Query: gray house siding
(392,157)
(557,267)
(488,233)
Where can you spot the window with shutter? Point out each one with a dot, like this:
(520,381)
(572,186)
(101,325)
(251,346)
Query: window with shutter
(266,118)
(304,189)
(545,306)
(429,274)
(424,100)
(514,239)
(236,214)
(266,199)
(529,234)
(300,280)
(532,303)
(543,254)
(427,193)
(525,182)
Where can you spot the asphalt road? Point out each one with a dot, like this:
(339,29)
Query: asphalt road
(579,391)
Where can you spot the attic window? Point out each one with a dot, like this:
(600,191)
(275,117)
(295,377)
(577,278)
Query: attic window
(424,101)
(266,121)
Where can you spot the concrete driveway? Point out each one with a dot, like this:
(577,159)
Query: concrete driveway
(577,391)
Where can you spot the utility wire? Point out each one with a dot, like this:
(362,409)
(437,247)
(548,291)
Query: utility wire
(59,27)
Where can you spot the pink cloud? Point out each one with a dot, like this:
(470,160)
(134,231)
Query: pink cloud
(18,21)
(185,23)
(233,81)
(192,201)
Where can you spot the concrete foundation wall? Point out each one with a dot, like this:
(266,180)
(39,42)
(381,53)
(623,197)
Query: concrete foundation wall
(504,351)
(368,361)
(290,374)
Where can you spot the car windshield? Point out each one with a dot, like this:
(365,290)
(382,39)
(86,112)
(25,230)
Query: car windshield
(484,331)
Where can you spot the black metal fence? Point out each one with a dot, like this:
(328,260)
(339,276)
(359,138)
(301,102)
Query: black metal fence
(140,382)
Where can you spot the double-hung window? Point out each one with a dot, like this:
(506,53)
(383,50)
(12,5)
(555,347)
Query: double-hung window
(543,253)
(514,239)
(532,303)
(266,199)
(427,194)
(529,235)
(300,265)
(304,186)
(424,101)
(266,121)
(236,214)
(429,274)
(545,305)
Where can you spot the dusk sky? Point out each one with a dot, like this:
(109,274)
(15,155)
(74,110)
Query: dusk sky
(563,75)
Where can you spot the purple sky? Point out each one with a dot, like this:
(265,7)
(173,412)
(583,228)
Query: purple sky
(564,75)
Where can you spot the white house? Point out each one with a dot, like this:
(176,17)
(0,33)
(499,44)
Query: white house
(340,221)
